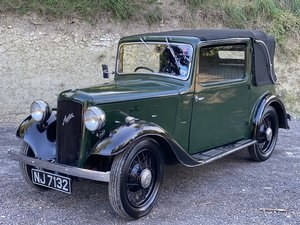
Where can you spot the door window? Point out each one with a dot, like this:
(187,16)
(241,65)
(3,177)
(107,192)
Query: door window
(225,63)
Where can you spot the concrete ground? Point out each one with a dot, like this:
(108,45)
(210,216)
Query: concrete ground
(233,190)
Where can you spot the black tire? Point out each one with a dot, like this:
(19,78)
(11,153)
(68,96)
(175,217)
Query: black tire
(266,136)
(132,191)
(26,169)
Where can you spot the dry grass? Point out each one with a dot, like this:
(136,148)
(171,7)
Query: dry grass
(280,18)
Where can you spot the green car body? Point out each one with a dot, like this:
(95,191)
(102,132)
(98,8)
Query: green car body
(186,116)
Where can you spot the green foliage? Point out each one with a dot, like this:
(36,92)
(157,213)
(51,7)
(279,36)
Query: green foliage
(290,5)
(278,17)
(122,9)
(265,8)
(235,16)
(154,15)
(284,24)
(194,3)
(87,9)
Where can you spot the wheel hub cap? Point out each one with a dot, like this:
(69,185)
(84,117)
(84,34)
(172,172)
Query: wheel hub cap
(146,177)
(269,134)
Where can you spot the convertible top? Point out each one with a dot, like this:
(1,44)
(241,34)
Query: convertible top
(212,34)
(263,54)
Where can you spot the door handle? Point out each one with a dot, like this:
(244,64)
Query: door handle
(198,99)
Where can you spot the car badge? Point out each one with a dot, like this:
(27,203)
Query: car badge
(69,94)
(67,118)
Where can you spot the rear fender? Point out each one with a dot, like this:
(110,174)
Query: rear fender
(274,101)
(40,137)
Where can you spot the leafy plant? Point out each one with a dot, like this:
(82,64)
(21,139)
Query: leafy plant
(122,9)
(278,17)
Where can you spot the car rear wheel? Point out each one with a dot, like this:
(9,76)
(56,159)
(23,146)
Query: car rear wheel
(135,179)
(26,169)
(266,136)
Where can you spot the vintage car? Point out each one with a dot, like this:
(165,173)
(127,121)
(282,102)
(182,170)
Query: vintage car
(189,96)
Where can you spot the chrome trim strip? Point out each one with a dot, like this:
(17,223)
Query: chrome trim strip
(68,170)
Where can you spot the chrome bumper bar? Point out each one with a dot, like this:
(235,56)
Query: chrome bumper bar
(68,170)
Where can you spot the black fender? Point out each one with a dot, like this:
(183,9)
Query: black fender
(123,136)
(40,137)
(274,101)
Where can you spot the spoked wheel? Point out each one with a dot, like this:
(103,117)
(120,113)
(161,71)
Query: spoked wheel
(135,178)
(26,169)
(266,136)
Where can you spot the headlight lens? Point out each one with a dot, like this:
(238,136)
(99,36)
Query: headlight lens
(94,118)
(40,111)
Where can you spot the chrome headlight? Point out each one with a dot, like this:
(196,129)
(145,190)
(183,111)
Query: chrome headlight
(94,118)
(40,111)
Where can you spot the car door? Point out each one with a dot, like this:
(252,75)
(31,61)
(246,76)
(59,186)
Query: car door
(221,104)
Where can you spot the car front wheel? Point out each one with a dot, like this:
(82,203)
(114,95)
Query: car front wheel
(266,136)
(135,179)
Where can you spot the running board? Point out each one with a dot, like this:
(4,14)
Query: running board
(217,153)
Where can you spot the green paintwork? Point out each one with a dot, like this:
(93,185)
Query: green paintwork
(184,116)
(221,117)
(224,116)
(154,100)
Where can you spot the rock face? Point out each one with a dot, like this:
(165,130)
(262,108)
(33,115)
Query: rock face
(39,59)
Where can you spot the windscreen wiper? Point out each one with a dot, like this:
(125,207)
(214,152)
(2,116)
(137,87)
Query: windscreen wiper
(145,44)
(173,53)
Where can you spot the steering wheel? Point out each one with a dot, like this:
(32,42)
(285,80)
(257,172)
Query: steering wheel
(143,67)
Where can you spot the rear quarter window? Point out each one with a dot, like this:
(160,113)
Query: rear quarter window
(222,63)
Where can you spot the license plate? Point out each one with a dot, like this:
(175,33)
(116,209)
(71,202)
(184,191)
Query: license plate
(50,180)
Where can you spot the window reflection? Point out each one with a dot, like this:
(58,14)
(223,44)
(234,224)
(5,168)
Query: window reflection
(155,58)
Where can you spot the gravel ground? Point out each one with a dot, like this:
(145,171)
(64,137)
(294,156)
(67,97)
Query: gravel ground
(233,190)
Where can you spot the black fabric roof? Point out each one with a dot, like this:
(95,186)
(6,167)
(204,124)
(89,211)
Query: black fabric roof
(263,55)
(212,34)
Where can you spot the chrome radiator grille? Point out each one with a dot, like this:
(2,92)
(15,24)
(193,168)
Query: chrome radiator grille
(69,131)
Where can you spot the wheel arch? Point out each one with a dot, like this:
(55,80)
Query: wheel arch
(166,148)
(281,113)
(126,135)
(40,137)
(277,104)
(99,162)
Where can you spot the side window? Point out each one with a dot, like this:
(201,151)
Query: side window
(222,63)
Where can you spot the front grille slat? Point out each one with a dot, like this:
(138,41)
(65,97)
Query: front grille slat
(69,131)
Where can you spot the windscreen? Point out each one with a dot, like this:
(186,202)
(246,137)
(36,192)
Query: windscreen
(155,58)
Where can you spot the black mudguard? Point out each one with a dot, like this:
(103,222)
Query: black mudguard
(125,135)
(274,101)
(40,138)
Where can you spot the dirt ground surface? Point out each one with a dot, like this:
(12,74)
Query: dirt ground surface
(41,58)
(233,190)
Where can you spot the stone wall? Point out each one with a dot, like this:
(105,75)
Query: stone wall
(39,59)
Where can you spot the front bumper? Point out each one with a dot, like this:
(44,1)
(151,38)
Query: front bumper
(60,168)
